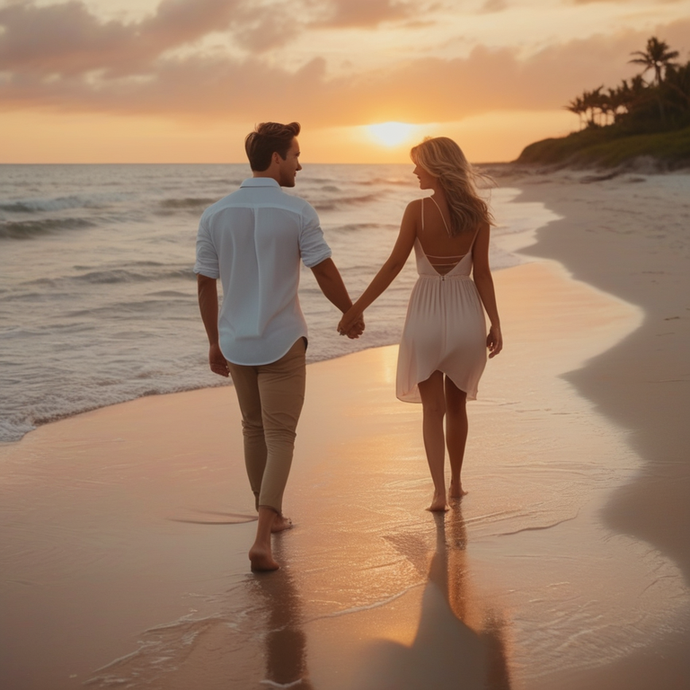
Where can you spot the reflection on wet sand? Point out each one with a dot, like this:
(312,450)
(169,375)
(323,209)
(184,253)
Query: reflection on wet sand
(451,555)
(285,640)
(458,643)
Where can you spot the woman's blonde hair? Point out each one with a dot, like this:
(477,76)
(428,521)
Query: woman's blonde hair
(443,158)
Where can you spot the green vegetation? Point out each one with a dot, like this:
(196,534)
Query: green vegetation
(633,120)
(591,148)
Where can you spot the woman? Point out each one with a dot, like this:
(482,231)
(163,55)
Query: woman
(443,349)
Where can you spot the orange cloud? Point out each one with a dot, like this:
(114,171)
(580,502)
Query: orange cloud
(364,13)
(494,6)
(68,39)
(624,2)
(61,57)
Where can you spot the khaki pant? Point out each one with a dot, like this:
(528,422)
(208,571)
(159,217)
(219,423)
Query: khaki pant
(271,398)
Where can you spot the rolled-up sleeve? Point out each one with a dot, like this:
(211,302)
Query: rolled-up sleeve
(312,245)
(206,254)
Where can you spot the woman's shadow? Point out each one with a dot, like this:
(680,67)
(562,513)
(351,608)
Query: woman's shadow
(446,653)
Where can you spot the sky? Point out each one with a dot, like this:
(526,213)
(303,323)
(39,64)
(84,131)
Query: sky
(183,81)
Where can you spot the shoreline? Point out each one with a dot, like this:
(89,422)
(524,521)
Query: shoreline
(640,280)
(639,384)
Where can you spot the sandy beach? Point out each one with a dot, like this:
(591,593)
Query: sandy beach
(125,530)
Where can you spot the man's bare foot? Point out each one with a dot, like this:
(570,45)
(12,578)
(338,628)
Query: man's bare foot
(281,523)
(262,560)
(456,491)
(438,505)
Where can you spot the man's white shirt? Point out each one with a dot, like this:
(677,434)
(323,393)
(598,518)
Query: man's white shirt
(254,240)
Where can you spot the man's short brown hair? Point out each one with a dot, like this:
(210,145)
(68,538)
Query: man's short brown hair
(266,139)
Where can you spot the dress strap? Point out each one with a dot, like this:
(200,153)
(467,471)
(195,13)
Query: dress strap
(422,204)
(442,216)
(476,232)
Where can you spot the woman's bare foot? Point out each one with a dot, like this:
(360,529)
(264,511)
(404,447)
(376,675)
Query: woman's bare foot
(456,490)
(262,560)
(281,523)
(438,505)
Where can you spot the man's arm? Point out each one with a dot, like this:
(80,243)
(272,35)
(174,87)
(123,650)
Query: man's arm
(331,284)
(208,306)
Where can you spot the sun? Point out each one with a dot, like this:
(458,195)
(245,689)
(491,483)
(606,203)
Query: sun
(391,133)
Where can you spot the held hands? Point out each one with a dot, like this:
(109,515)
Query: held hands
(352,324)
(494,341)
(217,362)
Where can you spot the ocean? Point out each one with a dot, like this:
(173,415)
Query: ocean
(97,292)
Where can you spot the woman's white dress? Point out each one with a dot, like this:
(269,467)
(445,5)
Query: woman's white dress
(445,329)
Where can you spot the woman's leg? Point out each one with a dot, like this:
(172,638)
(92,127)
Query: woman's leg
(456,434)
(433,409)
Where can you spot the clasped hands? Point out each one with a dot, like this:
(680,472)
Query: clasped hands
(352,323)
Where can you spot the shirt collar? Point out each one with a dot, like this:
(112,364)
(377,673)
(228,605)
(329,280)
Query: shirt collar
(260,182)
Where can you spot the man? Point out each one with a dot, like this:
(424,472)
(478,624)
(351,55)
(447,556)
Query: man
(253,240)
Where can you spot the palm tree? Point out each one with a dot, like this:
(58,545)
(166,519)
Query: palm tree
(626,98)
(605,107)
(592,102)
(618,101)
(657,56)
(577,106)
(677,82)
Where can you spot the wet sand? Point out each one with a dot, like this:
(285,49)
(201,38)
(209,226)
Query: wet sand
(628,235)
(125,530)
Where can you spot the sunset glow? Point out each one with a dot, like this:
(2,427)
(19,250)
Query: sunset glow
(186,80)
(391,133)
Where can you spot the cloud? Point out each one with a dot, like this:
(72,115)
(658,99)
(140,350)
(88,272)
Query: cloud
(68,39)
(625,2)
(61,38)
(130,69)
(491,6)
(363,13)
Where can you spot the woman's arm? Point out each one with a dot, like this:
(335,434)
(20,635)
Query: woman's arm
(485,286)
(389,270)
(331,283)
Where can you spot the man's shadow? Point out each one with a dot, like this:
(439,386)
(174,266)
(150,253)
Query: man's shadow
(285,640)
(446,653)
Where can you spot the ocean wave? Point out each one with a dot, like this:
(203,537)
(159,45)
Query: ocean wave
(148,272)
(14,429)
(226,182)
(359,227)
(99,393)
(142,264)
(175,294)
(58,204)
(25,229)
(394,181)
(123,275)
(335,204)
(195,204)
(318,180)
